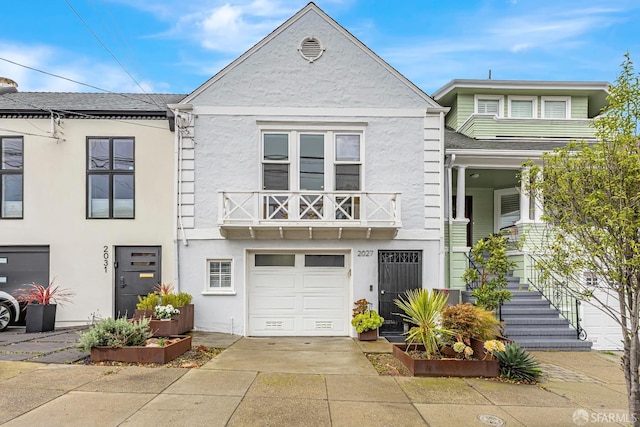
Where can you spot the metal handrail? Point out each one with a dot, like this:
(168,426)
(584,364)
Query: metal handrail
(559,296)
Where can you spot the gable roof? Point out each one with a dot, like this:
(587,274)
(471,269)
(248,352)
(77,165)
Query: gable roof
(310,7)
(82,104)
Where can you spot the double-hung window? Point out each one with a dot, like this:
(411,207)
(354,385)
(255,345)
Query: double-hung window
(523,107)
(219,276)
(489,104)
(556,107)
(11,172)
(110,178)
(311,174)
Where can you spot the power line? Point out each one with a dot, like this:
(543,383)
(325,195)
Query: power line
(77,113)
(27,133)
(109,51)
(77,82)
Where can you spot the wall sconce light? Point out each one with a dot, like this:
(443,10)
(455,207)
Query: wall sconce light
(474,175)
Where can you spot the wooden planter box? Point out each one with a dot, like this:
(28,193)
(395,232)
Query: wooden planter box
(446,367)
(371,335)
(40,318)
(180,324)
(140,354)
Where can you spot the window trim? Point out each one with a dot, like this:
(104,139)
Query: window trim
(329,130)
(534,106)
(500,99)
(12,172)
(208,290)
(567,106)
(110,173)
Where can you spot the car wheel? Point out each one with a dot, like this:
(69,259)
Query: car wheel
(5,316)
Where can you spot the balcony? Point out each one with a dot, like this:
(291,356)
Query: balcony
(308,215)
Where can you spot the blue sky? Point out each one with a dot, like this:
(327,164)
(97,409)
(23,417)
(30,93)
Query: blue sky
(174,46)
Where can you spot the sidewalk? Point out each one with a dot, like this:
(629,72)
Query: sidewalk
(305,381)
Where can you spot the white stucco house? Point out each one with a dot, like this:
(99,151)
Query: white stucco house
(310,176)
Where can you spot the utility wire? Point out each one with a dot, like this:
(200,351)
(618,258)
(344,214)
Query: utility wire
(77,82)
(27,133)
(77,113)
(109,51)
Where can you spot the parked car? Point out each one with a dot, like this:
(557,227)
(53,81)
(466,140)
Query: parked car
(10,311)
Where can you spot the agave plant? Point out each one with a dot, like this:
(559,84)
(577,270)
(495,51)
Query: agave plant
(517,364)
(422,310)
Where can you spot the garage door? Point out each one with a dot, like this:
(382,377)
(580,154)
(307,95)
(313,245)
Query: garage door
(20,265)
(298,294)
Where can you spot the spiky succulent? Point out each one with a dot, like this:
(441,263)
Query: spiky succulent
(517,364)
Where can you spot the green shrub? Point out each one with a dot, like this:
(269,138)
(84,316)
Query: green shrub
(116,333)
(517,364)
(367,321)
(177,300)
(149,302)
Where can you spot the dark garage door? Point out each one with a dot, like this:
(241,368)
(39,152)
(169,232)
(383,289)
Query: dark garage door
(20,265)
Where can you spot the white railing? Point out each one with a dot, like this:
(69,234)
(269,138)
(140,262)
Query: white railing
(309,207)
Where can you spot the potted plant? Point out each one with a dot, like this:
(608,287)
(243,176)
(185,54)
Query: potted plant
(434,347)
(40,305)
(165,312)
(164,295)
(366,321)
(128,341)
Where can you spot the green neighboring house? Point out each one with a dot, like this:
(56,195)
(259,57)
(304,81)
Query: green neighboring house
(493,126)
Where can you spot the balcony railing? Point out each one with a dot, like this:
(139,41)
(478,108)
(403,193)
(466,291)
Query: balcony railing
(308,208)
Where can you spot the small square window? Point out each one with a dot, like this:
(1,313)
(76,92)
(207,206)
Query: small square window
(219,272)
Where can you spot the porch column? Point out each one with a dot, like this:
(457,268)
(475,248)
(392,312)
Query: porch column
(448,197)
(524,197)
(538,208)
(460,193)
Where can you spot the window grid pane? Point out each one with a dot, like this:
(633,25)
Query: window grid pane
(488,106)
(522,109)
(110,178)
(219,274)
(348,148)
(11,177)
(555,109)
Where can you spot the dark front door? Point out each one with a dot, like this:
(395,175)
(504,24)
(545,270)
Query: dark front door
(137,272)
(398,271)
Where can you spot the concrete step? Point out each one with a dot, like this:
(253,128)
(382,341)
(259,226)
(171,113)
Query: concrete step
(530,302)
(540,332)
(554,344)
(539,321)
(508,311)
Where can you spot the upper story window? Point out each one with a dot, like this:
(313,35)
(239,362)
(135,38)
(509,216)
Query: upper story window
(110,178)
(556,107)
(489,104)
(523,107)
(314,161)
(11,172)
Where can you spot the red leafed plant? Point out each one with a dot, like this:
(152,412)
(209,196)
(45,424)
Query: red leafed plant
(38,294)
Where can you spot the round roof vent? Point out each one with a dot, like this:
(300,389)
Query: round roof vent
(311,49)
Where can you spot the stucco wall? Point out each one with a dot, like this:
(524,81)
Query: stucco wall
(214,312)
(55,210)
(277,75)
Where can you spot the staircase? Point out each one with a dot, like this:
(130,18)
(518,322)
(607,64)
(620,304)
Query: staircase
(532,323)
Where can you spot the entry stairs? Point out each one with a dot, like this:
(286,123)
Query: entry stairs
(531,321)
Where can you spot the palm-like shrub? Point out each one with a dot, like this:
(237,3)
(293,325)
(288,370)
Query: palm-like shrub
(517,364)
(421,309)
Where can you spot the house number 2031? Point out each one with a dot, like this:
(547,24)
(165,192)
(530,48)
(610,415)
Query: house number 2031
(364,253)
(105,258)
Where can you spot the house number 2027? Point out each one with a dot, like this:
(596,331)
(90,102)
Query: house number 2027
(105,257)
(364,253)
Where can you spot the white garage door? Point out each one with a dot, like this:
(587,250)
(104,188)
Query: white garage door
(298,294)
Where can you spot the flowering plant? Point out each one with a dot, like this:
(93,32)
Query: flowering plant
(165,311)
(493,346)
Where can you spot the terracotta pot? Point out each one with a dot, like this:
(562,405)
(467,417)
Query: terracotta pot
(141,354)
(445,367)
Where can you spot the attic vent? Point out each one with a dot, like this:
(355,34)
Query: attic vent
(311,49)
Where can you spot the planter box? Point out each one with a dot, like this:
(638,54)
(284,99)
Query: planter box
(183,322)
(371,335)
(40,318)
(446,367)
(140,354)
